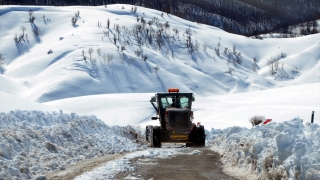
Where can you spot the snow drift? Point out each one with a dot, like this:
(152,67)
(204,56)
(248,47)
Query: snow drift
(34,142)
(288,150)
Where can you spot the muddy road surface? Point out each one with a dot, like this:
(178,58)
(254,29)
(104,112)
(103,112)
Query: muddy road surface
(193,164)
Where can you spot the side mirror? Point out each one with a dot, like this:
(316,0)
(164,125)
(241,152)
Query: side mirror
(193,98)
(153,99)
(154,118)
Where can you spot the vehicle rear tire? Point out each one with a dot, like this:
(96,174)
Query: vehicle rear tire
(156,137)
(148,133)
(199,136)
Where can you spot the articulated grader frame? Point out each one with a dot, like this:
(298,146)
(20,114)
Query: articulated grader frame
(175,117)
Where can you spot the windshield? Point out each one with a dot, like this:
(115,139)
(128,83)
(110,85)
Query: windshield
(166,101)
(183,102)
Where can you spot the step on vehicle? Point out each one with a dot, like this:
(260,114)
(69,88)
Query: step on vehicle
(173,109)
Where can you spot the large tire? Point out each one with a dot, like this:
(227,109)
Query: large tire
(199,136)
(156,137)
(148,135)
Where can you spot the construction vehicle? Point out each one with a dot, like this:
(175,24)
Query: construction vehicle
(173,109)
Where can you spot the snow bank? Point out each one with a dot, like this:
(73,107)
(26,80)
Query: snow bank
(124,164)
(276,150)
(33,142)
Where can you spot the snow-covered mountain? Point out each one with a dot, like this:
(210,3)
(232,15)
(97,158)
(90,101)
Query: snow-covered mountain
(33,73)
(142,51)
(130,61)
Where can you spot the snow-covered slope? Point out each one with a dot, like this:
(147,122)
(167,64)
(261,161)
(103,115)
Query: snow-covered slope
(118,92)
(65,80)
(43,77)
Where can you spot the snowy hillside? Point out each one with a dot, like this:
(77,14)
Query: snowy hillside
(149,56)
(182,51)
(63,90)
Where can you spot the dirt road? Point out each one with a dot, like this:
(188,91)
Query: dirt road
(194,163)
(75,170)
(186,166)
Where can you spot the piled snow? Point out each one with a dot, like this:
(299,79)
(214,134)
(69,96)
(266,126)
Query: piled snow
(34,142)
(276,150)
(124,164)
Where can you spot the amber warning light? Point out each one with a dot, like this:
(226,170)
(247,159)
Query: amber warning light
(173,90)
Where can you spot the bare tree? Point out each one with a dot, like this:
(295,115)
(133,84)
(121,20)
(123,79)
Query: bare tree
(256,120)
(83,55)
(31,17)
(23,28)
(255,60)
(283,55)
(74,20)
(225,50)
(104,57)
(234,50)
(175,30)
(217,51)
(90,52)
(143,21)
(144,57)
(134,9)
(167,25)
(2,59)
(254,67)
(238,58)
(123,48)
(1,63)
(137,52)
(16,40)
(196,46)
(114,39)
(156,68)
(118,28)
(276,66)
(99,52)
(36,31)
(150,23)
(204,46)
(271,63)
(109,57)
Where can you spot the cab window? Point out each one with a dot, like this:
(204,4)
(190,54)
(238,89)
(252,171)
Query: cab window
(166,101)
(184,102)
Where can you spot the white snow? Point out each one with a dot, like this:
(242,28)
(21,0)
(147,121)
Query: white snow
(42,142)
(285,150)
(108,170)
(57,109)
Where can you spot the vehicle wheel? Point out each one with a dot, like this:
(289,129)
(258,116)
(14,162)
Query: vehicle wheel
(148,133)
(189,144)
(156,137)
(199,136)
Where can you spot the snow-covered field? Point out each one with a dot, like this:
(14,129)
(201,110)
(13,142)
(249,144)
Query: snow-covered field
(57,109)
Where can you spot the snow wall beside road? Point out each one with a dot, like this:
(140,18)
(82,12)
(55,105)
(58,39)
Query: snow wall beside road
(33,142)
(276,150)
